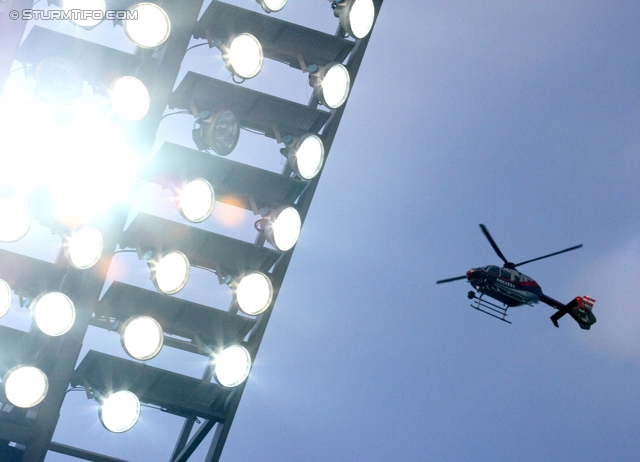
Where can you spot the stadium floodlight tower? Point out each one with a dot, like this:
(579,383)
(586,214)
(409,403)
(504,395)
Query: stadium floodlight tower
(68,297)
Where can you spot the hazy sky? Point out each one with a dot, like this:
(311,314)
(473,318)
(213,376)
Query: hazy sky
(520,115)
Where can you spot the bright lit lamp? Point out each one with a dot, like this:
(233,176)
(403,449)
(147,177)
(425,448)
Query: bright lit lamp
(171,273)
(14,220)
(254,293)
(196,200)
(88,21)
(272,6)
(84,247)
(331,85)
(356,16)
(130,98)
(151,29)
(232,366)
(282,228)
(6,297)
(306,156)
(54,313)
(243,56)
(142,337)
(25,386)
(120,411)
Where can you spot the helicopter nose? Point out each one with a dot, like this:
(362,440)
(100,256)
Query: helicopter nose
(472,274)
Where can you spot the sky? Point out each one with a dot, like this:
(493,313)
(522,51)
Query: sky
(523,116)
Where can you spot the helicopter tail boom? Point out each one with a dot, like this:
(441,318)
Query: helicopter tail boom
(580,309)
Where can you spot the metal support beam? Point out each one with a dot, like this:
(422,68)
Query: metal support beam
(195,441)
(81,453)
(187,427)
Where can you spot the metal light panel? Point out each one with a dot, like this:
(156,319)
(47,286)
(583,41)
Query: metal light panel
(16,347)
(233,182)
(254,110)
(178,394)
(176,316)
(202,248)
(28,276)
(281,40)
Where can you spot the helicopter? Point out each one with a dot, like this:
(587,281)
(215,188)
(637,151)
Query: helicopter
(510,287)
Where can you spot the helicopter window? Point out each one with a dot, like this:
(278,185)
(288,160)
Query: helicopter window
(516,278)
(505,274)
(493,270)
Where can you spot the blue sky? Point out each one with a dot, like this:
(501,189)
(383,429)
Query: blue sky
(520,115)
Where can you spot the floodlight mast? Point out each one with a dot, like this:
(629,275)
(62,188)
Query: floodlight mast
(161,67)
(87,286)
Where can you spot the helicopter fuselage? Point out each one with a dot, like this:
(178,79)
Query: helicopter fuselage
(507,285)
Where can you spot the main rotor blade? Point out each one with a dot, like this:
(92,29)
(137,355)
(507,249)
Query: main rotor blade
(493,243)
(451,279)
(550,255)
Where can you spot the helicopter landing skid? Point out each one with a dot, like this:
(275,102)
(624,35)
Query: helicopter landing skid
(484,305)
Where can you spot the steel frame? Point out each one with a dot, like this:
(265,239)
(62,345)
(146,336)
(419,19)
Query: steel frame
(162,70)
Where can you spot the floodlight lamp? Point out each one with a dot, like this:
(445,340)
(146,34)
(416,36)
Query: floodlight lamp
(53,313)
(84,247)
(130,98)
(142,337)
(306,156)
(25,386)
(220,132)
(6,297)
(282,228)
(243,56)
(272,6)
(170,273)
(85,19)
(232,366)
(254,293)
(196,200)
(151,28)
(120,411)
(331,85)
(14,220)
(57,80)
(356,16)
